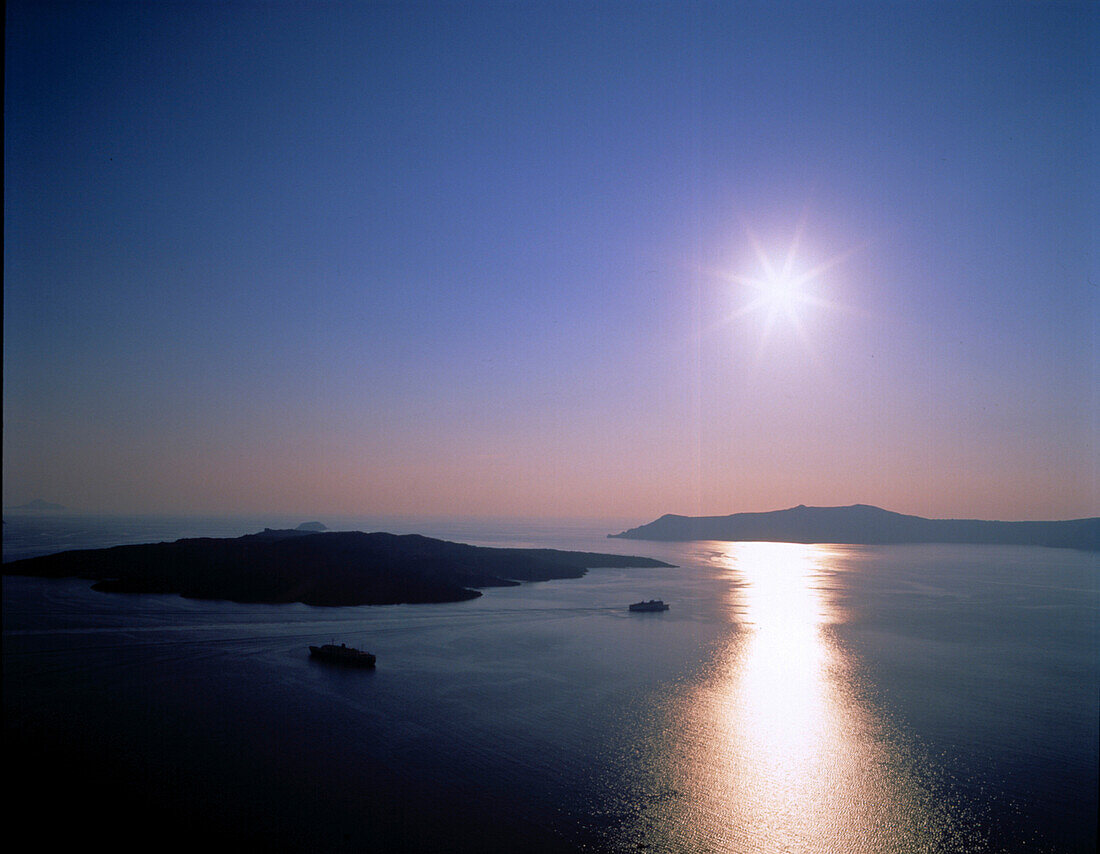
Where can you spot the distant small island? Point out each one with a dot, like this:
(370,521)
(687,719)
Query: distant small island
(334,568)
(866,525)
(311,526)
(39,505)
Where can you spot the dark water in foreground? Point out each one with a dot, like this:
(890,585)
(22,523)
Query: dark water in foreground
(794,698)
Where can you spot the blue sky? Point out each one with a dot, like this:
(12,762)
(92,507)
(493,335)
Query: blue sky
(490,258)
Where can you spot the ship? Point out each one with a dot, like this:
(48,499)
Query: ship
(342,654)
(651,605)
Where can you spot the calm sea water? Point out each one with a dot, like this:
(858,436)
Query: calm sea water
(795,698)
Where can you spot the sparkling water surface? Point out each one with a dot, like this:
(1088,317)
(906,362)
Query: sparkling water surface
(803,698)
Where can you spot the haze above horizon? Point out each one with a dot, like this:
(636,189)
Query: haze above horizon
(591,260)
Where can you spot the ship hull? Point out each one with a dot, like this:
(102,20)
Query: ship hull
(342,655)
(648,606)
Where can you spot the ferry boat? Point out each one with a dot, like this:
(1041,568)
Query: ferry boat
(342,654)
(651,605)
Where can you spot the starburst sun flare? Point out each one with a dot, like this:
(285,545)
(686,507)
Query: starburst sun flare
(783,290)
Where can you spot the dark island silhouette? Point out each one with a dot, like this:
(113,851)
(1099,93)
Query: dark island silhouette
(38,506)
(866,525)
(333,568)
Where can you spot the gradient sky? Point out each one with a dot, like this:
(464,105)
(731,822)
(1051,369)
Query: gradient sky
(491,258)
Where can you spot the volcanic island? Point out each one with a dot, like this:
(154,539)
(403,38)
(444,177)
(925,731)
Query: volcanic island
(329,568)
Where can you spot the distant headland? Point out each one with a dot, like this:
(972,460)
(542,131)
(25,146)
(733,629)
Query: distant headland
(334,568)
(866,525)
(38,505)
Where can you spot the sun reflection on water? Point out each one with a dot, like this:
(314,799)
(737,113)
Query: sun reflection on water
(773,750)
(780,685)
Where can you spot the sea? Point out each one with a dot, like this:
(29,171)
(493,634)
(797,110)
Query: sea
(794,698)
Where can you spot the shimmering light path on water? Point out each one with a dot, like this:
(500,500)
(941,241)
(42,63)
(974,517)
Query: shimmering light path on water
(774,749)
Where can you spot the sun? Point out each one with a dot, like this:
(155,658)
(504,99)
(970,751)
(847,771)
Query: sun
(782,294)
(782,289)
(779,293)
